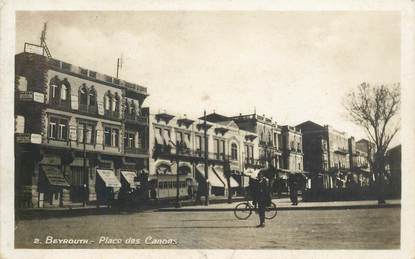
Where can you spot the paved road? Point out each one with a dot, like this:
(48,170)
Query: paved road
(328,229)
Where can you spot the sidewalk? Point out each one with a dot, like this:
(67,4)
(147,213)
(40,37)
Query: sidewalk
(285,204)
(216,204)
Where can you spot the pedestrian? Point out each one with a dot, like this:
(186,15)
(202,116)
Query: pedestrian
(293,185)
(263,198)
(190,191)
(253,186)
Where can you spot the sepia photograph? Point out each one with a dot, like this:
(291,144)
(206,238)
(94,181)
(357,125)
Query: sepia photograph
(238,130)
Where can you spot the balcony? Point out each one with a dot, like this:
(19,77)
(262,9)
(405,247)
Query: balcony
(60,105)
(188,154)
(89,109)
(250,162)
(135,119)
(112,115)
(135,151)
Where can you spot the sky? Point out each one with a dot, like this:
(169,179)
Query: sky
(291,66)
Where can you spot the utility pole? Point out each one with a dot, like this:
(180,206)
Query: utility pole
(119,65)
(178,150)
(206,158)
(85,170)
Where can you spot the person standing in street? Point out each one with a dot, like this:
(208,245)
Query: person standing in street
(263,198)
(293,185)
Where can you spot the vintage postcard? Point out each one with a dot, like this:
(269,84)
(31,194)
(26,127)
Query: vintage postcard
(207,130)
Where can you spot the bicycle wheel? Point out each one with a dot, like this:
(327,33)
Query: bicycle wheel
(271,211)
(243,210)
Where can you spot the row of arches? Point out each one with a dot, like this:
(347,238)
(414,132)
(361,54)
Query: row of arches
(59,92)
(59,89)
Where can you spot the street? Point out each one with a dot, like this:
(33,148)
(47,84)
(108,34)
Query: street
(306,229)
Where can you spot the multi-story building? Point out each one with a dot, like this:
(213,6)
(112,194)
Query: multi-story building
(326,151)
(178,146)
(292,149)
(394,169)
(269,134)
(78,132)
(279,146)
(359,161)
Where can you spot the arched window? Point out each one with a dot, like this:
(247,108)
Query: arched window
(92,96)
(127,107)
(54,88)
(234,151)
(107,101)
(65,91)
(83,95)
(116,103)
(133,109)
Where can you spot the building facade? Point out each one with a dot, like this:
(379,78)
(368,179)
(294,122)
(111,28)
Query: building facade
(360,153)
(292,149)
(335,160)
(279,147)
(394,169)
(326,153)
(269,134)
(79,133)
(178,156)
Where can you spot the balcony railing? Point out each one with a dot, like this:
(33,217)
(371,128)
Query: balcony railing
(136,150)
(91,109)
(112,115)
(251,161)
(163,150)
(60,105)
(134,118)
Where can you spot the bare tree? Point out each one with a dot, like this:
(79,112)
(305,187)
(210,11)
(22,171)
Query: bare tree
(376,109)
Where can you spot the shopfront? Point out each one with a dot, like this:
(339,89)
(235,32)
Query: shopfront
(233,184)
(216,185)
(51,186)
(107,186)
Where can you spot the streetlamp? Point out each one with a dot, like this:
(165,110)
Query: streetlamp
(206,159)
(84,131)
(178,151)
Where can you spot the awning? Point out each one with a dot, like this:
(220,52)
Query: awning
(54,176)
(213,178)
(159,138)
(129,177)
(186,140)
(109,178)
(166,137)
(221,174)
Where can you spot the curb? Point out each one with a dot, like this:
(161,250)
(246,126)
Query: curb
(341,207)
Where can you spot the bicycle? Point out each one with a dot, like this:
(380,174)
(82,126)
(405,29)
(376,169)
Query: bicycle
(244,210)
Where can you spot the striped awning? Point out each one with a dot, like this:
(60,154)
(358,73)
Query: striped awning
(212,177)
(221,174)
(109,178)
(129,177)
